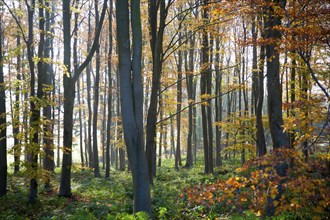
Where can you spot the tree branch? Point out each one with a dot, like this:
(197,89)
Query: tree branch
(195,103)
(324,91)
(173,84)
(94,46)
(16,20)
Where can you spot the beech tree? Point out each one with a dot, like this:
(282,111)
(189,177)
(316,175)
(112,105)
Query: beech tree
(69,82)
(131,92)
(109,101)
(272,20)
(205,85)
(3,126)
(48,161)
(157,13)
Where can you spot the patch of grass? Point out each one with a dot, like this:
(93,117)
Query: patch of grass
(99,198)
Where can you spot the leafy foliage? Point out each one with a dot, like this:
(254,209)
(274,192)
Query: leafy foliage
(303,191)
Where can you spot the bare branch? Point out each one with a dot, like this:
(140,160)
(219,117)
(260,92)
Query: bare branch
(196,103)
(16,20)
(173,84)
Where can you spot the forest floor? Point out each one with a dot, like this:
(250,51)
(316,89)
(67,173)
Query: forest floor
(99,198)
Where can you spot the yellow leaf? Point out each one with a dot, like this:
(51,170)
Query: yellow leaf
(243,199)
(259,213)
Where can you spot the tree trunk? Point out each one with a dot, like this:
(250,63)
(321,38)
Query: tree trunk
(75,63)
(107,151)
(69,82)
(161,132)
(89,98)
(96,102)
(69,94)
(178,161)
(48,161)
(172,138)
(35,116)
(3,130)
(86,156)
(258,91)
(218,102)
(16,117)
(274,88)
(190,91)
(205,92)
(156,44)
(132,106)
(292,95)
(80,126)
(122,158)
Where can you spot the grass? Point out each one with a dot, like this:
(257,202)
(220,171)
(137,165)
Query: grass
(99,198)
(111,199)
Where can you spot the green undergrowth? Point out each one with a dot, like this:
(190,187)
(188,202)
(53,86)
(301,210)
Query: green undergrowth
(100,198)
(111,199)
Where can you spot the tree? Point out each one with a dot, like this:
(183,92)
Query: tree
(34,147)
(258,90)
(132,105)
(96,102)
(49,163)
(273,20)
(156,32)
(69,82)
(3,126)
(107,157)
(205,93)
(178,161)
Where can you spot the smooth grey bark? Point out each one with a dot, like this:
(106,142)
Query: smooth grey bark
(65,185)
(178,161)
(69,81)
(205,86)
(16,116)
(107,157)
(258,90)
(86,156)
(96,100)
(190,91)
(81,145)
(109,100)
(274,88)
(34,147)
(3,127)
(161,135)
(120,151)
(89,96)
(75,64)
(104,121)
(172,151)
(292,94)
(58,161)
(48,160)
(243,90)
(218,101)
(132,105)
(157,26)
